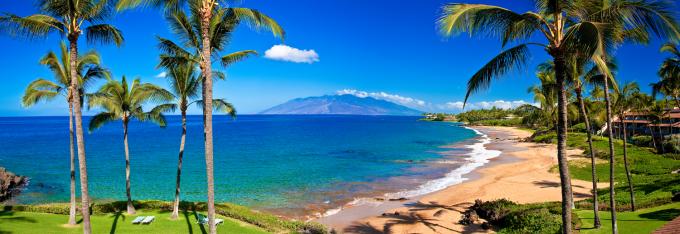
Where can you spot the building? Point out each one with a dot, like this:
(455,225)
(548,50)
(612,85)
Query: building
(638,123)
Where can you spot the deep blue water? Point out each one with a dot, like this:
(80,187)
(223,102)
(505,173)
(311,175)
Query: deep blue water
(274,162)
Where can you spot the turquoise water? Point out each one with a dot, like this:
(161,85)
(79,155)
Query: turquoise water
(274,162)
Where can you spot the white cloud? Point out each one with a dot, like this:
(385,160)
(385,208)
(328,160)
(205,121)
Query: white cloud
(453,106)
(406,101)
(290,54)
(161,75)
(502,104)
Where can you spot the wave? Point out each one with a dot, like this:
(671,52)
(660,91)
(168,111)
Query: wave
(477,157)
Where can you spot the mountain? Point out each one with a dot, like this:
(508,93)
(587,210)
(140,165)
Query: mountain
(340,105)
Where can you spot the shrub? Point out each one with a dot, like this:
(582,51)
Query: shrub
(579,128)
(644,141)
(539,220)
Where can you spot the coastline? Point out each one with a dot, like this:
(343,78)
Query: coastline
(521,173)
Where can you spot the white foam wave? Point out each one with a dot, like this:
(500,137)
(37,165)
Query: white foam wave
(477,157)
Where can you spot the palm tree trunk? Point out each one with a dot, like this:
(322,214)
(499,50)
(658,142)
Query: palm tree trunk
(625,163)
(80,139)
(586,120)
(612,202)
(651,131)
(206,15)
(175,207)
(72,209)
(563,164)
(130,207)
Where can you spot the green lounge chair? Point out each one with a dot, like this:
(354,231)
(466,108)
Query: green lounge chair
(202,219)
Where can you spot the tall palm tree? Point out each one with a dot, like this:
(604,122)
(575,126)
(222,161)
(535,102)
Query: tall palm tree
(210,27)
(569,31)
(185,85)
(121,101)
(624,100)
(89,69)
(70,18)
(563,40)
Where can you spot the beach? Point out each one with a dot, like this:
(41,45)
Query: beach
(521,173)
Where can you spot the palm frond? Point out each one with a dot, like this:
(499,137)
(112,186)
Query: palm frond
(33,26)
(104,34)
(220,105)
(478,18)
(40,90)
(98,120)
(236,57)
(258,20)
(512,58)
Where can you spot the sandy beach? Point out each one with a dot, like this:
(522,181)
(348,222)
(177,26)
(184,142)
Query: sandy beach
(521,174)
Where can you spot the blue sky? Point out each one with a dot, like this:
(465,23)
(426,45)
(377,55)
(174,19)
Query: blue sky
(380,48)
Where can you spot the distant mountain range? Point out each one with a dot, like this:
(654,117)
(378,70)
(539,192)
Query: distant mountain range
(340,105)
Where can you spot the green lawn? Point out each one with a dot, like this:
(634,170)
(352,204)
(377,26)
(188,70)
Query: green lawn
(29,222)
(641,221)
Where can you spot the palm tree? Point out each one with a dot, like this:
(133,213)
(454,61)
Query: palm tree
(207,32)
(546,95)
(623,102)
(569,33)
(670,74)
(121,101)
(185,85)
(70,18)
(89,69)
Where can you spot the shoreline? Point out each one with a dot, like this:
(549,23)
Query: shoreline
(519,173)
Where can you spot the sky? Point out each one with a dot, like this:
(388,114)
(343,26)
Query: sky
(385,49)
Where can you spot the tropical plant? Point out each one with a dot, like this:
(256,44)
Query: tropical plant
(70,18)
(570,31)
(185,85)
(123,101)
(208,31)
(89,69)
(670,74)
(624,100)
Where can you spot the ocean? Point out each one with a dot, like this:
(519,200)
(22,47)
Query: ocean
(290,165)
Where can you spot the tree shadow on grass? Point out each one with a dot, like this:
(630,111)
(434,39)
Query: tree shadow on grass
(185,212)
(665,215)
(199,225)
(116,216)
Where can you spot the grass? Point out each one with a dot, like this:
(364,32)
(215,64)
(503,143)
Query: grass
(641,221)
(239,219)
(119,222)
(652,179)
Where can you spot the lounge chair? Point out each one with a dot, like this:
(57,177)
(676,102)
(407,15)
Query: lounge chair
(138,220)
(148,219)
(202,219)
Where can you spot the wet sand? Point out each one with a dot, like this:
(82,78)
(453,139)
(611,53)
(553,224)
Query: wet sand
(521,174)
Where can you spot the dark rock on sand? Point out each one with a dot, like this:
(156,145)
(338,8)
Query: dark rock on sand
(10,184)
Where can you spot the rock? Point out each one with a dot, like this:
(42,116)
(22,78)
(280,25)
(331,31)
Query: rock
(469,217)
(10,184)
(396,213)
(398,199)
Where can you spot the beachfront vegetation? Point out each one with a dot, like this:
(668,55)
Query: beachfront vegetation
(89,70)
